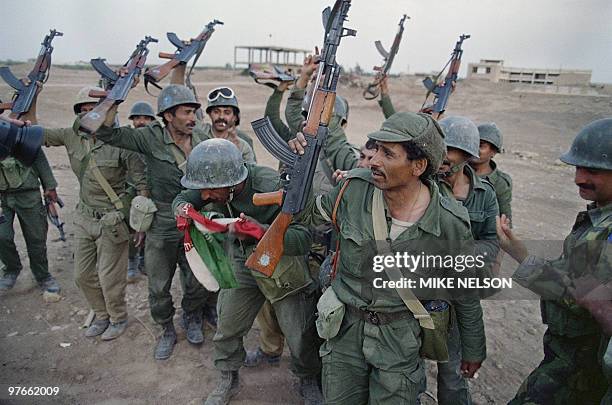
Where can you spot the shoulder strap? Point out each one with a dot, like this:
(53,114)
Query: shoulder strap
(381,233)
(337,204)
(90,163)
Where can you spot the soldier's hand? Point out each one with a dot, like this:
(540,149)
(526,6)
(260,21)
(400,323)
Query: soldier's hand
(16,122)
(298,143)
(231,227)
(308,68)
(339,175)
(139,239)
(181,211)
(283,86)
(469,368)
(51,194)
(384,86)
(508,241)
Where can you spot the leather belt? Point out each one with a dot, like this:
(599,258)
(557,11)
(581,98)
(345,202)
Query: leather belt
(378,318)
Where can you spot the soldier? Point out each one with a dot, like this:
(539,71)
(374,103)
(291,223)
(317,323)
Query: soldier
(374,358)
(165,149)
(579,327)
(20,196)
(141,115)
(216,174)
(490,144)
(458,180)
(101,234)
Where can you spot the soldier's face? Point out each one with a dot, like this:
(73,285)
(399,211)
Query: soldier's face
(594,185)
(87,107)
(222,118)
(487,152)
(139,121)
(365,155)
(183,119)
(216,195)
(453,157)
(391,168)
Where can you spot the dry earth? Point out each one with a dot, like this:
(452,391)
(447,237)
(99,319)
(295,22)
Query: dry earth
(537,127)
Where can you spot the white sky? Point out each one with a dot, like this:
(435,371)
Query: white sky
(525,33)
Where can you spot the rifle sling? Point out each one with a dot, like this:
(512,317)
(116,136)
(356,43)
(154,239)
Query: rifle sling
(90,163)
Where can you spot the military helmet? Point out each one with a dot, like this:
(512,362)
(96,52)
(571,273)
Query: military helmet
(489,132)
(214,163)
(142,108)
(461,133)
(82,97)
(592,147)
(174,95)
(341,108)
(420,128)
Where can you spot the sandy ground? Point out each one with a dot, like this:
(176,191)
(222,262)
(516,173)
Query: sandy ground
(537,128)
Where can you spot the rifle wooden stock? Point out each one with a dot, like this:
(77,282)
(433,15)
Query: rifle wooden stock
(272,198)
(97,93)
(323,102)
(6,106)
(158,73)
(166,55)
(270,248)
(93,120)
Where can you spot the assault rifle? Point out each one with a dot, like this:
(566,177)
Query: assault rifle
(300,168)
(265,73)
(372,91)
(118,87)
(54,217)
(24,93)
(442,91)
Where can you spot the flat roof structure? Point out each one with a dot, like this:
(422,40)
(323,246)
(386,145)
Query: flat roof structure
(245,55)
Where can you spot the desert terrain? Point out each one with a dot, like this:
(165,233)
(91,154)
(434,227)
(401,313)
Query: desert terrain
(42,344)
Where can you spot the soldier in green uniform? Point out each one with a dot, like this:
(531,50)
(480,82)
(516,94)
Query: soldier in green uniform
(458,180)
(141,115)
(165,150)
(374,358)
(579,327)
(216,174)
(491,143)
(101,233)
(20,196)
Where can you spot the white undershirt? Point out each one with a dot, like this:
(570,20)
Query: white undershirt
(397,227)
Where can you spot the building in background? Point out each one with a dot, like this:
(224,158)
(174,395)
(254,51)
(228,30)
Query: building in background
(495,71)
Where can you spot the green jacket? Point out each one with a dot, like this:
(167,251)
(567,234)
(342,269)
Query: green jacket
(502,182)
(273,113)
(114,164)
(387,105)
(587,251)
(260,179)
(14,176)
(444,220)
(203,130)
(160,154)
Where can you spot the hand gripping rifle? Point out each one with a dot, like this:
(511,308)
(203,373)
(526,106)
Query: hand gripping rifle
(54,217)
(372,91)
(442,91)
(118,87)
(24,94)
(266,74)
(300,168)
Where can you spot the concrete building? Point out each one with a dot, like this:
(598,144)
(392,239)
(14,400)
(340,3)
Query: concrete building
(495,71)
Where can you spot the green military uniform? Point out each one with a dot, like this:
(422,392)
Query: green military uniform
(203,130)
(290,290)
(574,343)
(101,234)
(164,248)
(502,182)
(20,196)
(387,105)
(369,363)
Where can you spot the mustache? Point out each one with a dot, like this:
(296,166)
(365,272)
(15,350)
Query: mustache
(378,172)
(586,186)
(221,121)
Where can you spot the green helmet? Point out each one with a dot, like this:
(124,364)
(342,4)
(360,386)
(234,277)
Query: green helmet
(461,133)
(592,147)
(417,127)
(214,163)
(490,133)
(142,108)
(174,95)
(341,108)
(82,97)
(223,97)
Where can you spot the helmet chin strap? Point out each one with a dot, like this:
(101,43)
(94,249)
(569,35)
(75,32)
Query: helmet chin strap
(231,194)
(453,170)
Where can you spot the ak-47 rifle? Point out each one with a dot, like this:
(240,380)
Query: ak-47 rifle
(442,91)
(300,168)
(266,73)
(372,91)
(24,93)
(54,216)
(118,86)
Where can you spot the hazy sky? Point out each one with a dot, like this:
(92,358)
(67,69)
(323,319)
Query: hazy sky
(525,33)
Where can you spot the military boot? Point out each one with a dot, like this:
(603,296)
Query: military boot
(210,315)
(166,342)
(310,391)
(228,387)
(97,327)
(133,274)
(257,357)
(50,285)
(8,281)
(192,322)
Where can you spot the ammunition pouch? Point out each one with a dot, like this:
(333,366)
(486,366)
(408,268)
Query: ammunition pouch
(331,313)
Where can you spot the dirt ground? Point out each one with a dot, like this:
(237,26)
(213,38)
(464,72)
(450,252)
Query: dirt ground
(34,335)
